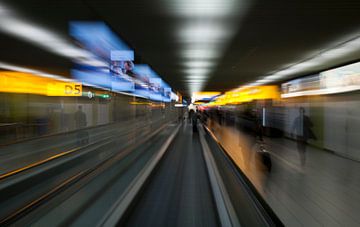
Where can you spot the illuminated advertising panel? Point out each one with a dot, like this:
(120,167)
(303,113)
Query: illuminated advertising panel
(106,46)
(338,80)
(141,76)
(118,73)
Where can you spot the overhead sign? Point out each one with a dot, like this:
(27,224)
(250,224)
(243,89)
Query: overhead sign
(247,94)
(18,82)
(338,80)
(119,74)
(64,89)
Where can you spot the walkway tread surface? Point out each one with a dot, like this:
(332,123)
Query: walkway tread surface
(179,193)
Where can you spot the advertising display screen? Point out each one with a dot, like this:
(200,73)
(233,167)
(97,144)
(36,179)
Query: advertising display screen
(107,47)
(337,80)
(141,76)
(148,83)
(96,37)
(346,77)
(118,73)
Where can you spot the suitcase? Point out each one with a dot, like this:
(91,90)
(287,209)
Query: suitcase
(264,156)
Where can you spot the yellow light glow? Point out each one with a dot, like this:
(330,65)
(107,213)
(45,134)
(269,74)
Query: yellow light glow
(160,105)
(18,82)
(247,94)
(206,93)
(139,103)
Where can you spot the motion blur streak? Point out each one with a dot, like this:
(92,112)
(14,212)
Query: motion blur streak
(16,82)
(14,24)
(339,80)
(179,113)
(247,94)
(345,48)
(204,35)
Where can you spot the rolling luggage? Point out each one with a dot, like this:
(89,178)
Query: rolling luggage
(264,155)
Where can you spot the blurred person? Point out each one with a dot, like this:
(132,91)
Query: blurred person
(80,123)
(252,127)
(190,115)
(258,128)
(302,127)
(194,121)
(204,117)
(51,120)
(80,118)
(63,123)
(219,116)
(257,142)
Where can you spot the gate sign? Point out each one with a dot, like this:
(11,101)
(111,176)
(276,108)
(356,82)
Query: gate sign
(28,83)
(64,89)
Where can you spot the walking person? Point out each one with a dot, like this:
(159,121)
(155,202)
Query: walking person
(302,127)
(80,123)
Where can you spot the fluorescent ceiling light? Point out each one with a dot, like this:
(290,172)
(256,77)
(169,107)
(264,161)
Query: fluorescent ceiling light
(198,71)
(265,80)
(199,53)
(198,80)
(41,37)
(306,64)
(274,77)
(339,51)
(195,87)
(202,8)
(198,64)
(24,29)
(204,33)
(201,33)
(196,77)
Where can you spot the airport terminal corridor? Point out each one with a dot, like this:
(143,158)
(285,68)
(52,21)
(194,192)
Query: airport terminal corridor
(179,113)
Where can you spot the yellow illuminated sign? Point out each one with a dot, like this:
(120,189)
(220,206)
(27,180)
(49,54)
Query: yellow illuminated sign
(180,97)
(64,89)
(18,82)
(247,94)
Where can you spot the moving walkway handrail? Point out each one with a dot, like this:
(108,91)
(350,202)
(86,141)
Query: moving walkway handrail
(121,206)
(267,213)
(70,181)
(65,153)
(18,124)
(224,206)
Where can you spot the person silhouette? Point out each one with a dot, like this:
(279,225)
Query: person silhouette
(80,118)
(302,127)
(80,123)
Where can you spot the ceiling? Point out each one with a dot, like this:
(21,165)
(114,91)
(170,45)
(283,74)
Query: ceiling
(197,44)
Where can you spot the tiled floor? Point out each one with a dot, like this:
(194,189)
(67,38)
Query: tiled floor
(323,192)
